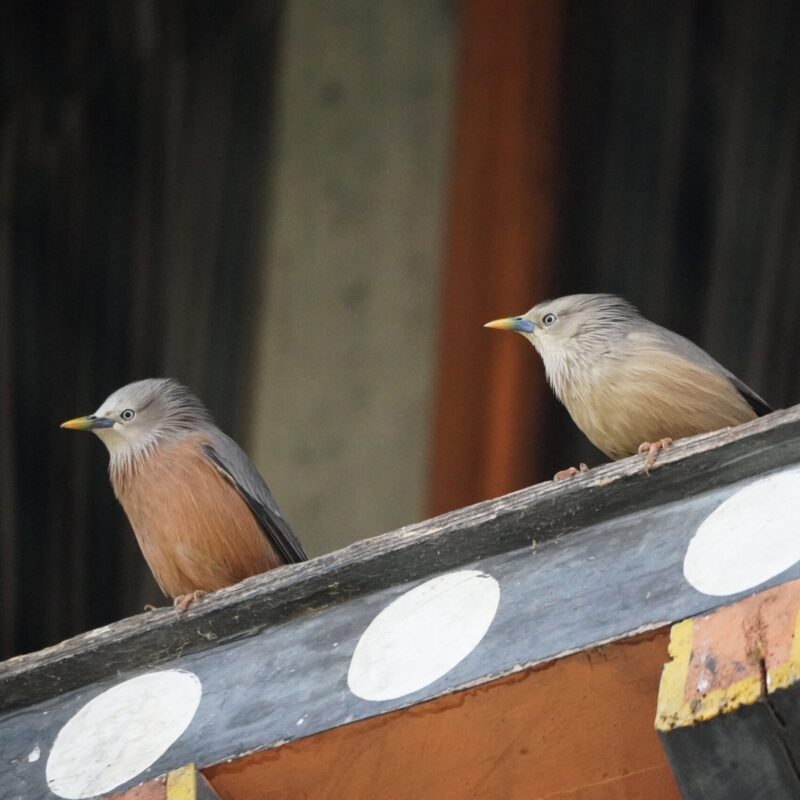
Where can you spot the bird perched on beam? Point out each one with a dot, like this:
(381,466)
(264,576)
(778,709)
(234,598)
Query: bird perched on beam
(630,385)
(202,514)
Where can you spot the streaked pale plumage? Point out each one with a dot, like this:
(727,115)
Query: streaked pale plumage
(202,514)
(626,380)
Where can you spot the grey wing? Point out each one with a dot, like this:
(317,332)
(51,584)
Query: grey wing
(237,468)
(691,352)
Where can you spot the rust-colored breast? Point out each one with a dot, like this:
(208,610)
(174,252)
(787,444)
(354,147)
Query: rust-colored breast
(195,530)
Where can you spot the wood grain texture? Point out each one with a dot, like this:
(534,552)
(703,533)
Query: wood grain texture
(577,729)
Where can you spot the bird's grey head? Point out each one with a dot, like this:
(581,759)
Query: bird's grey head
(136,417)
(577,324)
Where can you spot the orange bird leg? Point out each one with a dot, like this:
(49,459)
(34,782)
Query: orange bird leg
(570,471)
(183,601)
(652,448)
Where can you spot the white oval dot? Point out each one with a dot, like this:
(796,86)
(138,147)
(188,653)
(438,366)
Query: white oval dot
(751,537)
(121,732)
(423,634)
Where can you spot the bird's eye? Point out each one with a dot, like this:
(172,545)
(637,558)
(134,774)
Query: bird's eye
(549,319)
(128,414)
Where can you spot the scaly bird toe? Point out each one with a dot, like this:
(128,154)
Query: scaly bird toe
(652,448)
(570,471)
(183,601)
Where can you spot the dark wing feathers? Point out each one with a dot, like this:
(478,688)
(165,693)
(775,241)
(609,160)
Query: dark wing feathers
(758,404)
(237,468)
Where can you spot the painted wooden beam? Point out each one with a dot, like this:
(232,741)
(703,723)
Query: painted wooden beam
(579,728)
(399,620)
(184,783)
(542,513)
(728,703)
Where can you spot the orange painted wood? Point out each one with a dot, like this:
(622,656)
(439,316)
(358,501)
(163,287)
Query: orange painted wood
(491,396)
(580,728)
(152,790)
(743,640)
(184,783)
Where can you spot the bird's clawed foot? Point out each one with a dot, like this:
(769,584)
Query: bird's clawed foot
(652,448)
(183,601)
(570,471)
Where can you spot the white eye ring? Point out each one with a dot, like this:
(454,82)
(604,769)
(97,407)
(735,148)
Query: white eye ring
(549,319)
(127,415)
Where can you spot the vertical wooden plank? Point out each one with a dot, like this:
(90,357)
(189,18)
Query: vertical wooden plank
(9,567)
(500,249)
(754,289)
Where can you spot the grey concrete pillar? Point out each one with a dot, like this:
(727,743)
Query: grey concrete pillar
(347,336)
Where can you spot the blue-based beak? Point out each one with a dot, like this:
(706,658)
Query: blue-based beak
(89,423)
(518,324)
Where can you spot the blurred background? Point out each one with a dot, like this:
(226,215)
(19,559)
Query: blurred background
(306,211)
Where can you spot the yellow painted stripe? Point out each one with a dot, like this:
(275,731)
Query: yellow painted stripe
(673,709)
(673,677)
(723,701)
(182,783)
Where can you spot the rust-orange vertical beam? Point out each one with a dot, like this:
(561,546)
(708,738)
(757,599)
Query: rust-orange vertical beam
(500,250)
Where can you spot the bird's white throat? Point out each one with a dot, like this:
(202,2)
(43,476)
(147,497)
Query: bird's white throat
(127,455)
(570,370)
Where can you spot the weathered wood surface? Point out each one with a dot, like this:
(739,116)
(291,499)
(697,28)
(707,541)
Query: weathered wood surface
(727,709)
(272,654)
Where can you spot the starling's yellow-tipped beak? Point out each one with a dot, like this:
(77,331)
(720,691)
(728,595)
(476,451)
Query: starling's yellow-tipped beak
(87,423)
(519,324)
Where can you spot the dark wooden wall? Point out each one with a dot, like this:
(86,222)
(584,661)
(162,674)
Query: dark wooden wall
(133,164)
